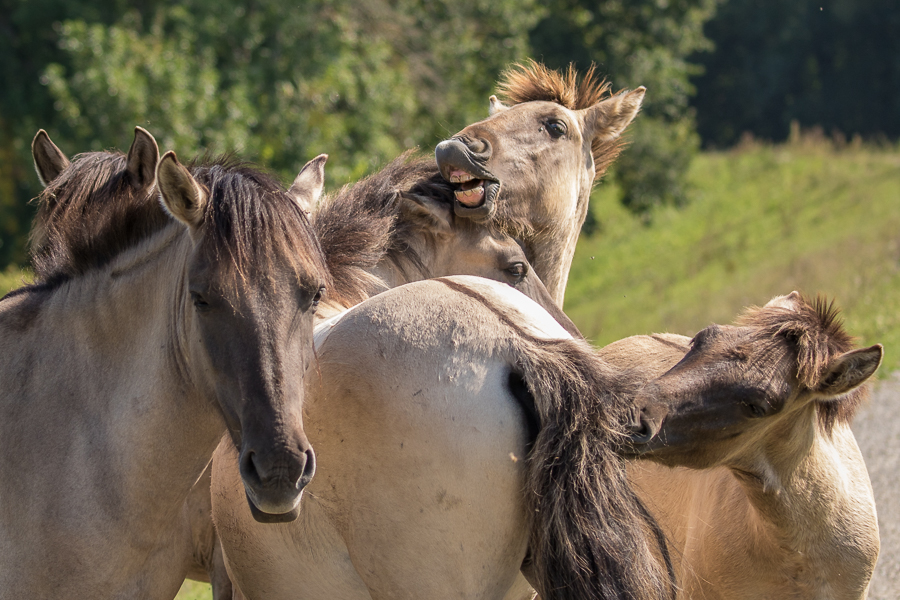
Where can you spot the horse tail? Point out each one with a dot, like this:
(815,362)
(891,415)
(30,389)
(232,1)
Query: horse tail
(591,537)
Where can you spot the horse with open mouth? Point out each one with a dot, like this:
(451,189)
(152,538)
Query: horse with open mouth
(146,335)
(531,165)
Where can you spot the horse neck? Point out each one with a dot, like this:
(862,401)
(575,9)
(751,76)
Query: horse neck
(554,247)
(135,316)
(805,483)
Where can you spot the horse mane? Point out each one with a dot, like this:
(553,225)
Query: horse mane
(533,81)
(593,537)
(361,224)
(92,212)
(250,222)
(814,329)
(89,214)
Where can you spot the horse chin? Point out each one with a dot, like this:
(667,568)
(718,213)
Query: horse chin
(261,516)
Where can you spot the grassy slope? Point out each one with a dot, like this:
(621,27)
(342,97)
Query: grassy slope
(763,221)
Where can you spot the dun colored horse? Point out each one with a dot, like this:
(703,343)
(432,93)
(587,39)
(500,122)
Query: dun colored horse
(394,227)
(531,165)
(756,476)
(463,437)
(144,337)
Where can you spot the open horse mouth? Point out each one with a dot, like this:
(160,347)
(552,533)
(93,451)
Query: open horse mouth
(475,188)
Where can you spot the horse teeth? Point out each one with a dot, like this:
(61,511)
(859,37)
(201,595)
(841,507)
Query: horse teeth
(460,177)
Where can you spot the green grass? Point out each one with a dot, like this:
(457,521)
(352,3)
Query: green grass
(763,221)
(12,278)
(194,590)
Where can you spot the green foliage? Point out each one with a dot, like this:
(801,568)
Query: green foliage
(638,42)
(762,221)
(277,83)
(832,63)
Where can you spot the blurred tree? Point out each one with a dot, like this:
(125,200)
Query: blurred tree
(832,63)
(637,42)
(276,82)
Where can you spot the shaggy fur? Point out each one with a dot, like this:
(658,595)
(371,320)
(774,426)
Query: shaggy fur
(364,223)
(590,538)
(89,214)
(239,214)
(533,81)
(92,212)
(814,333)
(589,535)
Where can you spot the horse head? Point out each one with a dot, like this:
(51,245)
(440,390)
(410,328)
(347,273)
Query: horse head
(740,383)
(253,281)
(531,165)
(459,246)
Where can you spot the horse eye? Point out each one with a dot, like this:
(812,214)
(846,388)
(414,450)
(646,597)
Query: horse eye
(756,411)
(517,270)
(317,297)
(200,303)
(557,128)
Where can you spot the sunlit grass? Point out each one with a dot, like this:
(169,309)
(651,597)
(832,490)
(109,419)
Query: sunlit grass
(12,278)
(194,590)
(763,221)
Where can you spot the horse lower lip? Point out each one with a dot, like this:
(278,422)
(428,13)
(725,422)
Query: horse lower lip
(470,198)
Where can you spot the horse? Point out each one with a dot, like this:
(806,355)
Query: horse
(393,227)
(531,165)
(146,335)
(751,467)
(463,437)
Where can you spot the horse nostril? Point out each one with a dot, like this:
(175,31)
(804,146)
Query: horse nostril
(641,429)
(480,147)
(309,469)
(248,468)
(640,432)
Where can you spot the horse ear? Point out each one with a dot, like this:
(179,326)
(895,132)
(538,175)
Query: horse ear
(850,370)
(142,158)
(308,184)
(49,161)
(179,192)
(792,301)
(607,120)
(430,214)
(496,106)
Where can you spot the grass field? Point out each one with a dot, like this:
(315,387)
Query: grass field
(762,221)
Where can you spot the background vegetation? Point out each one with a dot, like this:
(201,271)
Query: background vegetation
(279,83)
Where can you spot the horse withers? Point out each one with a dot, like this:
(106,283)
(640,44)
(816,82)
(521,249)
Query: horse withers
(754,472)
(143,339)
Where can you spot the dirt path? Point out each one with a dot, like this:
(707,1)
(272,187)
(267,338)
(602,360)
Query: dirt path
(877,430)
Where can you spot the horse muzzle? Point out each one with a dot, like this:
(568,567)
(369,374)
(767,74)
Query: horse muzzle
(274,483)
(462,162)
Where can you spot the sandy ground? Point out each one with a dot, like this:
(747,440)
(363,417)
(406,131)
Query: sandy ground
(877,430)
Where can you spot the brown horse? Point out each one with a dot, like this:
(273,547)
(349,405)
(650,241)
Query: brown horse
(138,345)
(531,165)
(463,436)
(757,478)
